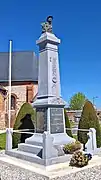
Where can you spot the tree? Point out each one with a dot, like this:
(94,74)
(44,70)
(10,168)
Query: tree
(24,120)
(67,124)
(77,101)
(89,120)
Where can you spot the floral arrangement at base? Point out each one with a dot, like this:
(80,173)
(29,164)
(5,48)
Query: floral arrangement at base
(79,159)
(72,147)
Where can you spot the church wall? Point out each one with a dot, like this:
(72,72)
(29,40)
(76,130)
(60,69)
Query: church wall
(20,94)
(23,93)
(2,111)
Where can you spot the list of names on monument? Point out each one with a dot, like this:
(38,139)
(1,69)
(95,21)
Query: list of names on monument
(56,120)
(41,124)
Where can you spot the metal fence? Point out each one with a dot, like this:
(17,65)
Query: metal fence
(75,130)
(9,131)
(27,131)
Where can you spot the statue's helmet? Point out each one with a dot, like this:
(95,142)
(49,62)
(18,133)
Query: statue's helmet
(49,18)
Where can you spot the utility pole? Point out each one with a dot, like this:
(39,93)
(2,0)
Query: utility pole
(95,97)
(10,63)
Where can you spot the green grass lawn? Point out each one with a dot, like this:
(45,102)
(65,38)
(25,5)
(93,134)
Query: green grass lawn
(2,141)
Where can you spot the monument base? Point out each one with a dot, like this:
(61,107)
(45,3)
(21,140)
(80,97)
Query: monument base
(44,149)
(36,159)
(58,139)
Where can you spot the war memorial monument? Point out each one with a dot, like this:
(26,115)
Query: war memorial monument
(41,157)
(45,146)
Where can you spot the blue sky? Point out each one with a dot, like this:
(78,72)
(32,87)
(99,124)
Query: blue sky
(76,22)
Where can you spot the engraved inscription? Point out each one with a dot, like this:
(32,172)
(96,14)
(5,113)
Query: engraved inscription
(54,75)
(56,120)
(41,122)
(50,59)
(54,78)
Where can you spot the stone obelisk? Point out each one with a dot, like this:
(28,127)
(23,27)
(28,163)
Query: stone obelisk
(49,104)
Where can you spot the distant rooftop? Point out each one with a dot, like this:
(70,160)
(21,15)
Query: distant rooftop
(24,66)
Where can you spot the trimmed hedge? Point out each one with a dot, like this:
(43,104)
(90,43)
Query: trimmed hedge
(24,120)
(67,124)
(89,120)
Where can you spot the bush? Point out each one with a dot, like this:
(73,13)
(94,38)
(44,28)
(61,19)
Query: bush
(71,148)
(89,120)
(67,124)
(2,141)
(24,120)
(79,159)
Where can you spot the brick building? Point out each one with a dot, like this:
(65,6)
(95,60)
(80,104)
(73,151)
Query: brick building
(24,83)
(75,115)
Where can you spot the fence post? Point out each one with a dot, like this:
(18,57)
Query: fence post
(48,149)
(9,132)
(94,143)
(91,144)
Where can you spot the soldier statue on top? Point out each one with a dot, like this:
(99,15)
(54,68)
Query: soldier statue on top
(47,26)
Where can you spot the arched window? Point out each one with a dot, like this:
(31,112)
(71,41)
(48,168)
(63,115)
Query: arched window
(13,102)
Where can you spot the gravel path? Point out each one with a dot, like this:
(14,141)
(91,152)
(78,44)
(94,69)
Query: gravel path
(93,173)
